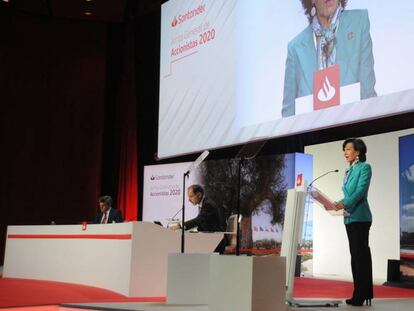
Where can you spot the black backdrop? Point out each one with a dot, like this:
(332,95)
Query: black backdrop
(60,81)
(51,91)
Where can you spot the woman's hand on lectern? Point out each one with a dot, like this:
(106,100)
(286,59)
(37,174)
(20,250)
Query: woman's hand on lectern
(339,206)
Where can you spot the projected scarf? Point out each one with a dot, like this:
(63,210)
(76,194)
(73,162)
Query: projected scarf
(326,40)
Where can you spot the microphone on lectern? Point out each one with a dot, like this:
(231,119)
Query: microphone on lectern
(333,171)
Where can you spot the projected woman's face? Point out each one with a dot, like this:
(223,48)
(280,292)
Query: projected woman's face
(325,9)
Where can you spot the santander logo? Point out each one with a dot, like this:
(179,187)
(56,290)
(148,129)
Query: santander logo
(174,22)
(327,92)
(326,87)
(299,180)
(162,177)
(181,18)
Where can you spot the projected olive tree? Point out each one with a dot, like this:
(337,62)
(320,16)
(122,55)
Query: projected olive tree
(261,178)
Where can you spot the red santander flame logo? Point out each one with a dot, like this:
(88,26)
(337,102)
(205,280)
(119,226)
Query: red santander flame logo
(326,92)
(174,22)
(299,180)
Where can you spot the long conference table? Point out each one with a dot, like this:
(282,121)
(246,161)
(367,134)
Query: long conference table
(128,258)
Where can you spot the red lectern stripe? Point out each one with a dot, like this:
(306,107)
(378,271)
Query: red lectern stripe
(273,250)
(71,236)
(405,255)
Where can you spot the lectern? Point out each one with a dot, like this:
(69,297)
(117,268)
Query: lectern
(292,232)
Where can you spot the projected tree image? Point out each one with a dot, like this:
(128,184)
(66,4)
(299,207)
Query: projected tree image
(262,180)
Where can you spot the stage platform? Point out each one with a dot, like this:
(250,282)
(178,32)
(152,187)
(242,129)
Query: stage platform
(378,305)
(22,295)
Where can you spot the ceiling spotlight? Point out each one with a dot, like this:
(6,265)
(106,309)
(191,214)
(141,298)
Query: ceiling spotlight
(87,13)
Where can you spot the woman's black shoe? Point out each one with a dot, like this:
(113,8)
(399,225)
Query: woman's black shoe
(349,301)
(359,302)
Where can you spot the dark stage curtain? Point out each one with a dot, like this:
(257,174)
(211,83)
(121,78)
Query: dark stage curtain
(128,161)
(52,89)
(120,163)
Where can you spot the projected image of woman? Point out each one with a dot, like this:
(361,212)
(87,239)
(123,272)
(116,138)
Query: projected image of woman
(333,36)
(359,219)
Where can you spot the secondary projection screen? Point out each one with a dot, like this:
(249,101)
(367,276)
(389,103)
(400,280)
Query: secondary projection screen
(234,71)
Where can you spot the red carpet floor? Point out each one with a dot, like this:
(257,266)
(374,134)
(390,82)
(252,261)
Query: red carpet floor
(43,308)
(317,288)
(18,292)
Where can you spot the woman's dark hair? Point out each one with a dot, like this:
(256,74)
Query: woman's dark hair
(359,146)
(307,6)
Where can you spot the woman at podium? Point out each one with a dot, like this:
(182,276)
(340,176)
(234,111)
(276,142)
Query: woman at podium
(358,222)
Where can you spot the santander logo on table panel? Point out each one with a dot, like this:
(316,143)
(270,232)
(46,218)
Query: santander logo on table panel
(181,18)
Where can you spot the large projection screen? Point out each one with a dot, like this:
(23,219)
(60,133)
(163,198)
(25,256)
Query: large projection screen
(226,73)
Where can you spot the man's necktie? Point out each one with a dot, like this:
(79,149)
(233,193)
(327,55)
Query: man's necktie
(104,218)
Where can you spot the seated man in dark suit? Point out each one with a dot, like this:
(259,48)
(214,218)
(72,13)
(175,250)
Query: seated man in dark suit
(107,213)
(210,217)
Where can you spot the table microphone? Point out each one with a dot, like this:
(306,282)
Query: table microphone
(172,218)
(333,171)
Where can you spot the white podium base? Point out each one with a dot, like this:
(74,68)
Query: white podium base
(203,282)
(188,278)
(231,283)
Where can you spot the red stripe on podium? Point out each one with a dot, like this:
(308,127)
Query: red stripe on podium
(71,236)
(405,255)
(273,250)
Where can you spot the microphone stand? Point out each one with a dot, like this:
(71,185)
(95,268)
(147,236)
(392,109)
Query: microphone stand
(172,218)
(241,160)
(186,174)
(310,185)
(193,166)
